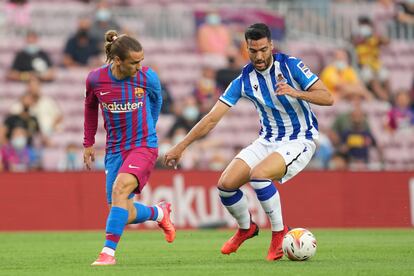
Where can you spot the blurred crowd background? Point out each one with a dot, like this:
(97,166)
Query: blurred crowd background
(362,50)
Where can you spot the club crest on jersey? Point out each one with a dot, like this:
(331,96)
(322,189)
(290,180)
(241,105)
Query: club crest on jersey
(139,92)
(280,78)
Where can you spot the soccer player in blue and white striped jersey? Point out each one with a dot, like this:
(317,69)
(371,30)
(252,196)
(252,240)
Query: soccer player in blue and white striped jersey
(281,87)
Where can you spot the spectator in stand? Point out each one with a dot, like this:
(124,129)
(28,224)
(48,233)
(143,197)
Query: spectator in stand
(167,100)
(18,155)
(188,117)
(338,162)
(225,75)
(401,116)
(81,49)
(103,21)
(367,45)
(342,80)
(31,61)
(72,160)
(213,37)
(357,141)
(343,121)
(23,120)
(206,91)
(44,108)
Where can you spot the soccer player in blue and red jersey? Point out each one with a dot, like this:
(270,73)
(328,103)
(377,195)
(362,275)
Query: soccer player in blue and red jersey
(281,88)
(129,95)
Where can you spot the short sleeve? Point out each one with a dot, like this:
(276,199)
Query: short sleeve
(301,73)
(233,92)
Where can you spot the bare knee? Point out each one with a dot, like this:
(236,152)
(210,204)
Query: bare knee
(122,188)
(258,173)
(229,184)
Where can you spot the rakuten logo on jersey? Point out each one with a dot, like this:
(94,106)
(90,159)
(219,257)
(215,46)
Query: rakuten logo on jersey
(115,107)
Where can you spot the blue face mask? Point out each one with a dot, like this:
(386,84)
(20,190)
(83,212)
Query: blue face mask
(31,49)
(103,15)
(340,64)
(213,19)
(19,143)
(190,113)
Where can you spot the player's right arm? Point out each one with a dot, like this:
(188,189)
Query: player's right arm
(90,124)
(202,128)
(207,123)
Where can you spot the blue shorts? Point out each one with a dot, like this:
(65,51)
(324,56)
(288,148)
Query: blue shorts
(138,161)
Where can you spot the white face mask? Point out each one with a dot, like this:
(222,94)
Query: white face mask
(365,30)
(19,142)
(103,15)
(190,113)
(213,19)
(32,49)
(340,64)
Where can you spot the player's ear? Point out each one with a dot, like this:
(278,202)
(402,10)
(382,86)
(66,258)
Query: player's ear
(117,61)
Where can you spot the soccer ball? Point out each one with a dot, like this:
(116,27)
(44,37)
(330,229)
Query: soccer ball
(299,244)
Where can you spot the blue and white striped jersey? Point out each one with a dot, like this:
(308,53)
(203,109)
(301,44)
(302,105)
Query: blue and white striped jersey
(283,117)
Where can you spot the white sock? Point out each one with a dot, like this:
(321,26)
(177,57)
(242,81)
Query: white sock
(108,251)
(270,200)
(160,213)
(236,203)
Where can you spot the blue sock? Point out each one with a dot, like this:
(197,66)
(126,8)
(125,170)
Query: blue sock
(145,213)
(115,224)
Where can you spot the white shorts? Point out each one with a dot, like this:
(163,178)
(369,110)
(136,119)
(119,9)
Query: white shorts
(297,154)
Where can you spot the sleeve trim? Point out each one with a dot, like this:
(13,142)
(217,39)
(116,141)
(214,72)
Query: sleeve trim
(311,83)
(225,102)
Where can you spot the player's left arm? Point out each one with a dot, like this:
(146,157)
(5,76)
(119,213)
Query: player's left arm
(317,93)
(155,96)
(308,86)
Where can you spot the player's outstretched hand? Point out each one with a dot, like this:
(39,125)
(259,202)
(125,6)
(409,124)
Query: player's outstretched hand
(172,157)
(88,157)
(286,89)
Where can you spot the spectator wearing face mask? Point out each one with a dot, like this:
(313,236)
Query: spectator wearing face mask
(103,21)
(17,155)
(401,116)
(187,117)
(213,36)
(31,61)
(368,47)
(206,90)
(23,120)
(81,49)
(342,80)
(45,109)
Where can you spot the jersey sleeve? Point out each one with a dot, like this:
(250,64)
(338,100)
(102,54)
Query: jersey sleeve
(155,95)
(233,92)
(90,114)
(301,73)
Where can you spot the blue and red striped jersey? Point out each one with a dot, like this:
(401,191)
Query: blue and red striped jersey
(130,108)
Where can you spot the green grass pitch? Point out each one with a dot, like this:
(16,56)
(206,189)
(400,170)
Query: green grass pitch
(340,252)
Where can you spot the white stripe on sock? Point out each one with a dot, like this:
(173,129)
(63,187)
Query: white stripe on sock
(238,210)
(108,251)
(271,206)
(160,213)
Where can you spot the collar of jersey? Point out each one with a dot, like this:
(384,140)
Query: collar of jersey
(267,70)
(112,76)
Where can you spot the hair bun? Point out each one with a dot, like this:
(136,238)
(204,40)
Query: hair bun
(111,35)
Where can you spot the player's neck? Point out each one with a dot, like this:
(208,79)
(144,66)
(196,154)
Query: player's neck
(116,73)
